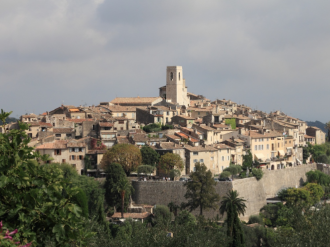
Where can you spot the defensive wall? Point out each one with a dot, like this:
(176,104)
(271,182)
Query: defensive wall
(253,191)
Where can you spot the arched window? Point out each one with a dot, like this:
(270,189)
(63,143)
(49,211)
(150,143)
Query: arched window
(179,76)
(171,76)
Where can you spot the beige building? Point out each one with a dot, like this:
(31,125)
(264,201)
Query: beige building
(317,133)
(63,151)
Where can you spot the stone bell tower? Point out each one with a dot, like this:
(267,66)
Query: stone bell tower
(176,89)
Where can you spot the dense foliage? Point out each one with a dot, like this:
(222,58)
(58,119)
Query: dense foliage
(170,161)
(155,127)
(232,122)
(127,155)
(201,190)
(36,199)
(149,156)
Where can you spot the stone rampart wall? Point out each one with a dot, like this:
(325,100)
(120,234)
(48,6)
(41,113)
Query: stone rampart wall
(253,191)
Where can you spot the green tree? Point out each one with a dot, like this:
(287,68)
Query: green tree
(114,174)
(127,155)
(258,173)
(201,190)
(149,156)
(146,169)
(233,169)
(122,187)
(225,174)
(186,218)
(163,216)
(36,199)
(233,206)
(247,160)
(170,161)
(174,173)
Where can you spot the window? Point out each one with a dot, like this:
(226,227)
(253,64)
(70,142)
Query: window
(285,142)
(57,152)
(289,141)
(199,113)
(267,146)
(76,150)
(53,124)
(267,139)
(194,169)
(260,139)
(63,160)
(121,121)
(94,127)
(195,153)
(80,149)
(179,76)
(227,151)
(81,157)
(278,145)
(72,157)
(256,140)
(228,157)
(201,160)
(74,165)
(168,113)
(121,128)
(223,158)
(171,76)
(68,135)
(255,147)
(212,158)
(58,135)
(195,160)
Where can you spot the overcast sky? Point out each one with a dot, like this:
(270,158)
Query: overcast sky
(265,54)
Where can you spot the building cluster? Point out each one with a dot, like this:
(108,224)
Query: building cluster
(217,133)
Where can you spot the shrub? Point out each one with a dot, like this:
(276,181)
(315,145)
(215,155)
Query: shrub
(163,216)
(175,174)
(258,173)
(146,169)
(185,218)
(242,174)
(255,219)
(225,174)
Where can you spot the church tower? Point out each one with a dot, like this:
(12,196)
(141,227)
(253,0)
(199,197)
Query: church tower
(176,89)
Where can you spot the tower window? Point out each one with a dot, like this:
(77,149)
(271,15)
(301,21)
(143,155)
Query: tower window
(171,75)
(179,76)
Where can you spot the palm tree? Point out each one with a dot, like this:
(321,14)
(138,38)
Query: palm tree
(233,206)
(121,187)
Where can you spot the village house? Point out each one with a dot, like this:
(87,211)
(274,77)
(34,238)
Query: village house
(317,133)
(63,151)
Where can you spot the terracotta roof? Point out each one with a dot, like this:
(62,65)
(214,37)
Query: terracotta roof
(76,144)
(222,146)
(135,100)
(63,130)
(174,137)
(61,144)
(170,145)
(255,134)
(80,120)
(191,130)
(184,117)
(119,108)
(45,124)
(44,114)
(307,136)
(131,215)
(122,139)
(200,148)
(74,110)
(33,123)
(139,137)
(181,135)
(221,126)
(205,127)
(193,140)
(105,124)
(120,118)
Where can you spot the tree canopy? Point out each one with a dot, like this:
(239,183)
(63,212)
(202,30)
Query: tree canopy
(127,155)
(170,161)
(149,156)
(201,190)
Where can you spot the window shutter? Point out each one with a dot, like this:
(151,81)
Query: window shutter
(55,152)
(70,150)
(60,151)
(69,157)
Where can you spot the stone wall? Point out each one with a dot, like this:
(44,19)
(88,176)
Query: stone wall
(253,191)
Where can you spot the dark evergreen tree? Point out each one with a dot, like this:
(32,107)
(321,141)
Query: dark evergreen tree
(149,156)
(201,190)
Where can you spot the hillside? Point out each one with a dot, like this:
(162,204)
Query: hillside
(317,124)
(10,120)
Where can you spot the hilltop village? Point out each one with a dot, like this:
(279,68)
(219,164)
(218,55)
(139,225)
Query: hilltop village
(217,133)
